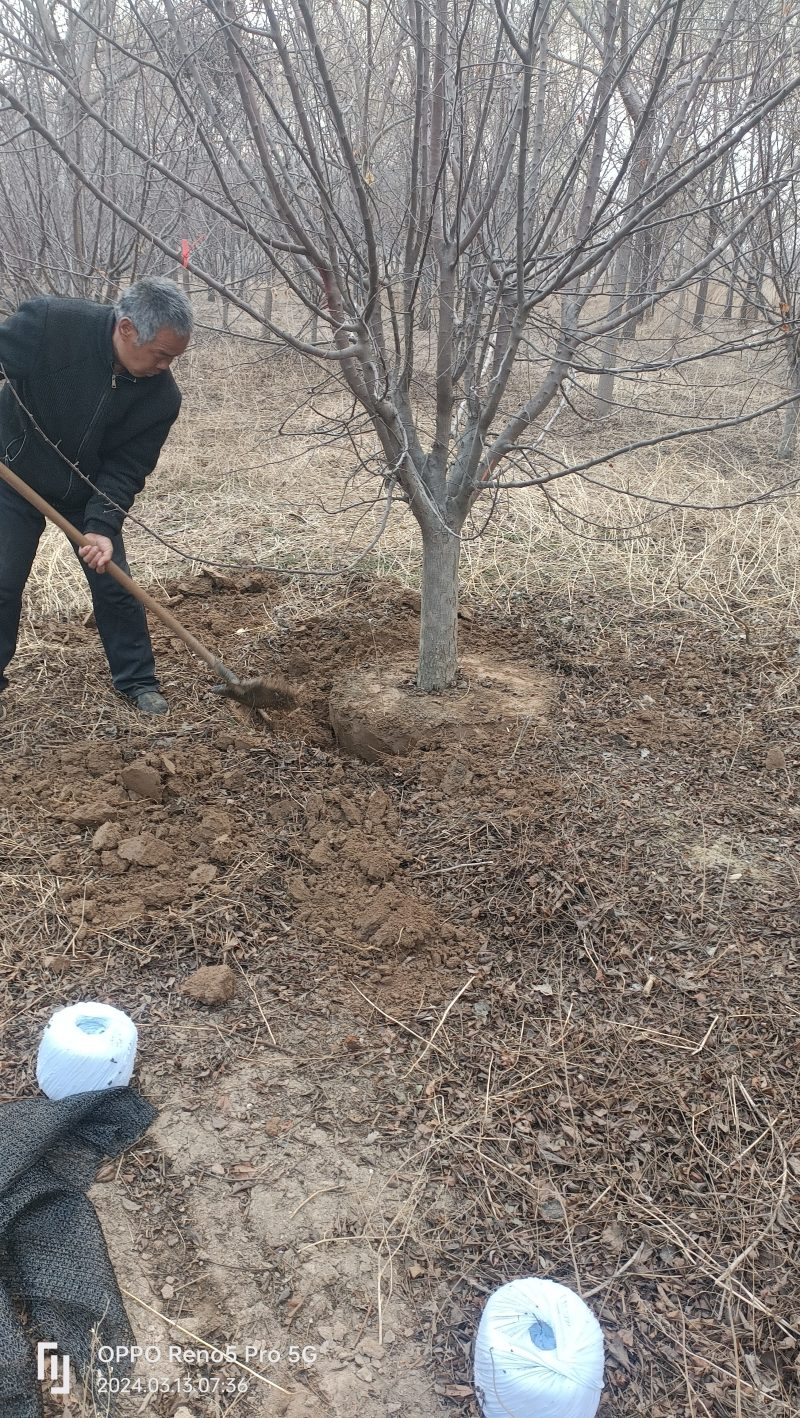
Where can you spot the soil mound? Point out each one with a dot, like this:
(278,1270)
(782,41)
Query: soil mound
(378,713)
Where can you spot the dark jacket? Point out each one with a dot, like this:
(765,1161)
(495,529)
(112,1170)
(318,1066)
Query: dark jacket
(58,357)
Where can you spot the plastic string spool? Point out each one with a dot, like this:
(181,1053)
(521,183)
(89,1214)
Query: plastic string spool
(538,1353)
(86,1047)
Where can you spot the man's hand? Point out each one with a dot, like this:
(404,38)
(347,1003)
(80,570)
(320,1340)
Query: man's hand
(97,553)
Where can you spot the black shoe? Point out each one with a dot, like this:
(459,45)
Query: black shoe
(148,701)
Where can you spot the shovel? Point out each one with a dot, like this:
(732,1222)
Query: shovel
(272,693)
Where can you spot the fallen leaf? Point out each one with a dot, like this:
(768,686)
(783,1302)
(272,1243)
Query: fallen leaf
(618,1351)
(613,1238)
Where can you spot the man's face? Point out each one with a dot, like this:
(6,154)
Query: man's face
(145,360)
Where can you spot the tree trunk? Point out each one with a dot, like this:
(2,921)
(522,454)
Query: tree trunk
(624,266)
(425,300)
(752,297)
(641,256)
(438,632)
(701,304)
(608,354)
(728,311)
(791,418)
(711,236)
(678,332)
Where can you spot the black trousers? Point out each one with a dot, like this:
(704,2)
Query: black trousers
(120,619)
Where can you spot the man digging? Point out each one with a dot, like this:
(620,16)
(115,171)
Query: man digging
(92,383)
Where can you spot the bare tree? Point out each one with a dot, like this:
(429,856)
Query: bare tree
(516,176)
(57,236)
(784,258)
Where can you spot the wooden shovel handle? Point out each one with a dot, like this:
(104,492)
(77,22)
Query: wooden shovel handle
(221,671)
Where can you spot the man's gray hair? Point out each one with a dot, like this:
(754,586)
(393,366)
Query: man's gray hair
(153,304)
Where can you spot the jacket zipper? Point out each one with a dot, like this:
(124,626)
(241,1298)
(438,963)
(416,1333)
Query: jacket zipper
(96,415)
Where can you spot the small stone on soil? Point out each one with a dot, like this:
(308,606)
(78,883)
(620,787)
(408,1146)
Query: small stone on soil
(211,984)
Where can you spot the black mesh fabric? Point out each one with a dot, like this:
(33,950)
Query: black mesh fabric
(54,1264)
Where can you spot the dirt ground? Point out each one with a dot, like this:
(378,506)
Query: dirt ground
(520,999)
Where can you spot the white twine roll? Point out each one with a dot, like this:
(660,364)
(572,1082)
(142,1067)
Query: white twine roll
(86,1047)
(538,1353)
